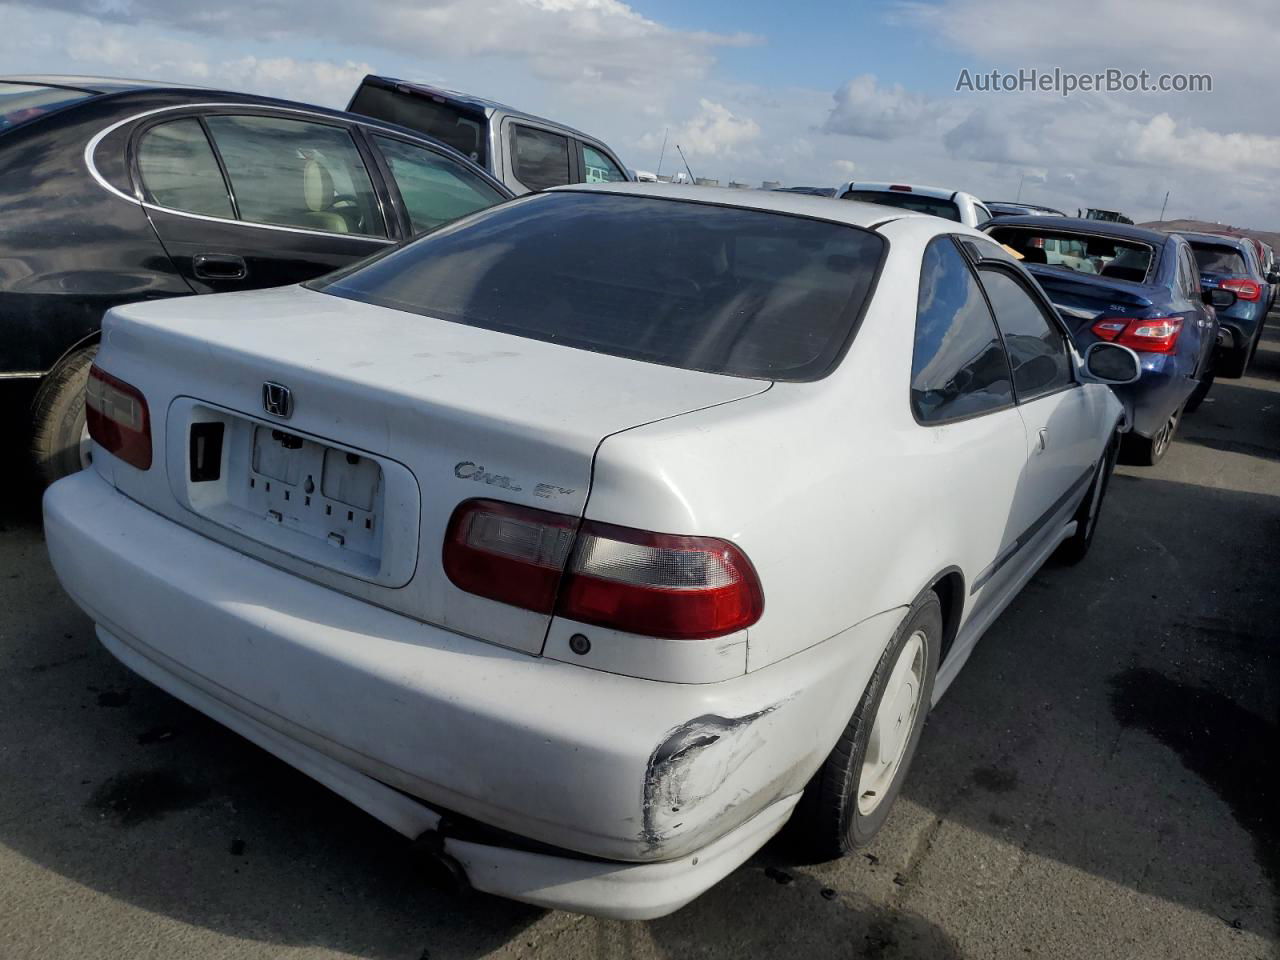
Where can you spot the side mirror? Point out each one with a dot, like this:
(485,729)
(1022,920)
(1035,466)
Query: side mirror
(1111,363)
(1219,298)
(1273,276)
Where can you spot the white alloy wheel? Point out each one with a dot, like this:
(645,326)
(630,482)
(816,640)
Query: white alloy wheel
(894,721)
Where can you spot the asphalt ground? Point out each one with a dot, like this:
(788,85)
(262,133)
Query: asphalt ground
(1101,781)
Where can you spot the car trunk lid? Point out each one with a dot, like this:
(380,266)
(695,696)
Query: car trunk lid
(1082,299)
(393,420)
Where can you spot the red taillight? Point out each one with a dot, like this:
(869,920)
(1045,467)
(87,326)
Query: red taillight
(654,584)
(658,584)
(512,554)
(117,416)
(1149,334)
(1242,287)
(900,188)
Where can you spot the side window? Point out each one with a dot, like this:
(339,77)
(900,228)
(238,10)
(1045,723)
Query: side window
(435,189)
(179,170)
(598,168)
(297,174)
(1037,349)
(540,159)
(958,368)
(983,213)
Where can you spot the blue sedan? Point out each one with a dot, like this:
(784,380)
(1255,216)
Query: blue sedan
(1231,263)
(1138,288)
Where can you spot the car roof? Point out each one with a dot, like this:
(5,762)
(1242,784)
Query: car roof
(937,193)
(1020,205)
(1102,228)
(1225,239)
(479,104)
(96,84)
(852,212)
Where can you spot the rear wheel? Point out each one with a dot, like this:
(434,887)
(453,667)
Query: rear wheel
(59,437)
(1073,549)
(1148,451)
(1201,391)
(849,798)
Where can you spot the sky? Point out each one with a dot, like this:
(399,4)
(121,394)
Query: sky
(803,92)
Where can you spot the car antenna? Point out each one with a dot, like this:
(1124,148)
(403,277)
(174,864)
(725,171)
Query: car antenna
(686,164)
(663,152)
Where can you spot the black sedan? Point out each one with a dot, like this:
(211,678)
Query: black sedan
(113,191)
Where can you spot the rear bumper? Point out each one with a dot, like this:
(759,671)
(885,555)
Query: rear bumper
(1165,385)
(657,775)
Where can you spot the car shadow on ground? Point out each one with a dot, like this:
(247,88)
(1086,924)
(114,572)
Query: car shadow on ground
(1088,729)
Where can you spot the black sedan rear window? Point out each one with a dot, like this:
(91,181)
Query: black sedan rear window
(1216,258)
(20,102)
(721,289)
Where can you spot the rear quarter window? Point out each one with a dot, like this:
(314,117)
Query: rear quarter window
(1212,258)
(721,289)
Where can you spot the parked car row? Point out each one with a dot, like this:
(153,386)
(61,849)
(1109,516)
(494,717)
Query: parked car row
(1193,305)
(535,522)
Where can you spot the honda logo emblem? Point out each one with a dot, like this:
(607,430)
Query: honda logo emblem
(277,400)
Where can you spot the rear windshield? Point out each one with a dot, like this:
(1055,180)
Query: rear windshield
(1094,254)
(20,102)
(1213,258)
(934,206)
(441,121)
(720,289)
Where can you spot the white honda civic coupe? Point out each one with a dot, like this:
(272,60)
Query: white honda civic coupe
(591,538)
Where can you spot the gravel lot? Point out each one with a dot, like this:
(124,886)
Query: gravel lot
(1102,780)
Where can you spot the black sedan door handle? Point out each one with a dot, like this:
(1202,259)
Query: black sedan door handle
(219,266)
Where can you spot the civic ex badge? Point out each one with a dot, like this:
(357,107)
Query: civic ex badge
(277,400)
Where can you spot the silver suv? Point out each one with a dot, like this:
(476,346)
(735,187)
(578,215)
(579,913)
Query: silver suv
(523,151)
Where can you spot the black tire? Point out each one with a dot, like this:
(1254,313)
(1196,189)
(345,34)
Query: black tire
(828,822)
(57,415)
(1074,548)
(1140,451)
(1201,391)
(1233,363)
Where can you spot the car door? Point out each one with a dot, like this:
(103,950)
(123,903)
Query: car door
(1061,417)
(252,199)
(962,395)
(429,187)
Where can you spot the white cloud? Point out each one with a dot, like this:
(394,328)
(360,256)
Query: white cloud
(590,47)
(865,109)
(715,131)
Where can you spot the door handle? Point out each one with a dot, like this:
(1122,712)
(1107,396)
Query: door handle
(1042,439)
(219,266)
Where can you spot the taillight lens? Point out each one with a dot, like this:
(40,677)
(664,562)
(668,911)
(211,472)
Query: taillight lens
(654,584)
(508,553)
(118,419)
(659,585)
(1148,334)
(1242,287)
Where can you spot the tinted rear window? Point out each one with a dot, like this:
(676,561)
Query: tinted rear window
(1095,254)
(914,202)
(463,131)
(20,102)
(1212,258)
(720,289)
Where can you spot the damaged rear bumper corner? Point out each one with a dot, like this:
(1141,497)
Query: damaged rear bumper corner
(625,891)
